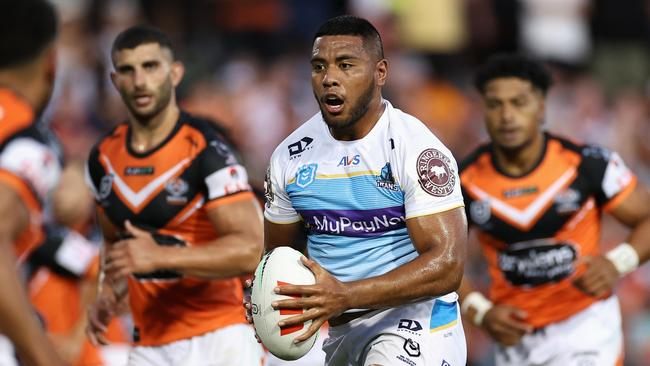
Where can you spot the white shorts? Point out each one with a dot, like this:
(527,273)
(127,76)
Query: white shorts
(427,333)
(591,337)
(7,354)
(232,345)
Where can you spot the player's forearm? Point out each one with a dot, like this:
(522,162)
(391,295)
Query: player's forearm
(18,320)
(430,274)
(640,239)
(229,256)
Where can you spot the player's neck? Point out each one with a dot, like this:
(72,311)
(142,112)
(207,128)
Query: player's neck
(521,161)
(363,126)
(145,136)
(23,83)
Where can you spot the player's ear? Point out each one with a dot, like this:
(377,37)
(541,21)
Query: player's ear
(381,71)
(177,71)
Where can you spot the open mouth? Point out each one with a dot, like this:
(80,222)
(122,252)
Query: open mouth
(333,103)
(142,100)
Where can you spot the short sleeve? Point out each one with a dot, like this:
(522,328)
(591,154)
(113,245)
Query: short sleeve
(93,173)
(35,163)
(278,208)
(221,169)
(611,178)
(429,178)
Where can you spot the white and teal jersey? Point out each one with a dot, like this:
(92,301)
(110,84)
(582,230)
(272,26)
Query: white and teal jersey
(355,196)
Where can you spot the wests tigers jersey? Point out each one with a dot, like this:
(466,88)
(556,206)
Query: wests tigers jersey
(29,164)
(168,191)
(534,228)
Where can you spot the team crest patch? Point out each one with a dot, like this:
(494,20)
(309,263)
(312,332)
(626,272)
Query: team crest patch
(176,188)
(479,211)
(105,186)
(306,175)
(434,173)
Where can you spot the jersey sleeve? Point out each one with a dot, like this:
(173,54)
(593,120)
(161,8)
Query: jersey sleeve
(429,177)
(34,163)
(278,208)
(94,175)
(222,172)
(612,180)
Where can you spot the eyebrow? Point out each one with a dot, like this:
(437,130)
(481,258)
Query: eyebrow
(338,58)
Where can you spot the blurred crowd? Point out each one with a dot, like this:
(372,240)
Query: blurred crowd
(248,70)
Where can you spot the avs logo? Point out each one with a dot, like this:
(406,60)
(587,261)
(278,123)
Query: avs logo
(306,175)
(176,187)
(347,161)
(408,325)
(386,179)
(299,147)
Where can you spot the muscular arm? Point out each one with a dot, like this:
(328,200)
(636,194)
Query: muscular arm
(441,242)
(17,319)
(602,273)
(293,235)
(634,212)
(235,252)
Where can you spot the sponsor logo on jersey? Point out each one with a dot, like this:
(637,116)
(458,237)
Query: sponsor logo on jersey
(299,147)
(537,262)
(138,170)
(518,192)
(386,179)
(349,160)
(409,325)
(176,187)
(105,186)
(357,223)
(445,363)
(434,173)
(268,188)
(306,175)
(479,211)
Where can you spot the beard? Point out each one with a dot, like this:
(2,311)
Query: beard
(161,100)
(358,110)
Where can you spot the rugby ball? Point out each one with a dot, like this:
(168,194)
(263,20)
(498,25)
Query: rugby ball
(280,266)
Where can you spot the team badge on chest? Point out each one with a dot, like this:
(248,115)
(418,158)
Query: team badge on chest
(306,175)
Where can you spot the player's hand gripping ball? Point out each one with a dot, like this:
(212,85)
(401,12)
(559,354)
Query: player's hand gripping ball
(280,266)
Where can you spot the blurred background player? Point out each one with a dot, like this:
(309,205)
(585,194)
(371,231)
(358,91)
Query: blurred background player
(537,200)
(29,168)
(374,198)
(179,219)
(63,274)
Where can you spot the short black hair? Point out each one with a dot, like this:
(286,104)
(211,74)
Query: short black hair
(138,35)
(27,28)
(513,65)
(349,25)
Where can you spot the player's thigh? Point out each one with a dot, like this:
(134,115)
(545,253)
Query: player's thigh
(147,356)
(232,345)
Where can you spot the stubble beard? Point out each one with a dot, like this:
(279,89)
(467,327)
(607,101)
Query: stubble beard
(359,110)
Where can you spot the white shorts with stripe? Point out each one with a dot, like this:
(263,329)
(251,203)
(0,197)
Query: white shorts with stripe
(232,345)
(426,333)
(591,337)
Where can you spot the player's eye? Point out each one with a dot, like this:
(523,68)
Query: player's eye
(345,66)
(317,67)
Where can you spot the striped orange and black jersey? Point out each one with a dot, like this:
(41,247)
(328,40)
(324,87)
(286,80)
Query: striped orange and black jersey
(533,228)
(168,191)
(29,164)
